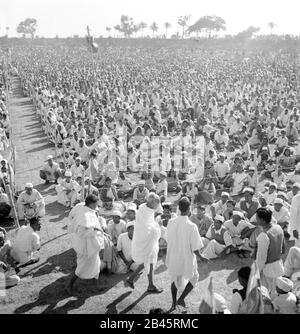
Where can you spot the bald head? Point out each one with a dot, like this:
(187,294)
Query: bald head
(153,201)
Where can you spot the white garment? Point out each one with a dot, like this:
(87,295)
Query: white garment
(125,244)
(26,242)
(87,242)
(145,239)
(295,219)
(183,240)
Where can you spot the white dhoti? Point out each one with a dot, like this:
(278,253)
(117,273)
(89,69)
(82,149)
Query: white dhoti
(64,198)
(145,242)
(213,249)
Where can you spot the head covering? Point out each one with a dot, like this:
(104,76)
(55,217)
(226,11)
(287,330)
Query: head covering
(132,207)
(224,193)
(222,155)
(284,284)
(251,169)
(78,158)
(49,157)
(278,201)
(238,213)
(129,224)
(298,166)
(29,185)
(281,193)
(163,173)
(273,185)
(68,173)
(296,185)
(219,218)
(117,213)
(249,190)
(141,182)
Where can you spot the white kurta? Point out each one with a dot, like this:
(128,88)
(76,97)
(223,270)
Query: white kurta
(86,241)
(146,236)
(295,219)
(183,240)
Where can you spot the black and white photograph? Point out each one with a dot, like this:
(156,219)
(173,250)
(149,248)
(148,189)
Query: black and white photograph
(149,159)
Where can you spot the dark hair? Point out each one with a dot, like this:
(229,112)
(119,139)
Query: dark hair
(231,201)
(90,199)
(167,206)
(34,220)
(244,273)
(264,214)
(184,204)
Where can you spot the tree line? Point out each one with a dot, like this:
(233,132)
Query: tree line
(208,26)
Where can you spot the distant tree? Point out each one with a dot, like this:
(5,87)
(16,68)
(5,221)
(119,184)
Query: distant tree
(167,26)
(154,28)
(108,29)
(126,27)
(27,27)
(142,26)
(76,36)
(182,21)
(176,35)
(209,24)
(247,34)
(7,31)
(271,25)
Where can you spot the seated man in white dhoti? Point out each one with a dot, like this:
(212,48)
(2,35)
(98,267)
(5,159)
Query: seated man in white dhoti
(145,241)
(124,247)
(30,203)
(27,243)
(184,244)
(217,240)
(292,264)
(87,241)
(68,191)
(50,172)
(5,261)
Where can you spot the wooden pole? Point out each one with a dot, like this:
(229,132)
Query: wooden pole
(11,198)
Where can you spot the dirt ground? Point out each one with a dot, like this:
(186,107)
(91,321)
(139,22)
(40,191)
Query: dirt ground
(41,289)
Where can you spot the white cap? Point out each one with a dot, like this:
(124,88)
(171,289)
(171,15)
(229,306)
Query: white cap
(117,213)
(278,201)
(49,157)
(141,182)
(68,173)
(219,218)
(163,173)
(132,207)
(224,193)
(129,224)
(284,284)
(29,185)
(238,213)
(296,185)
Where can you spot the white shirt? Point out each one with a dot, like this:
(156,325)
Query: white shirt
(222,169)
(77,171)
(235,231)
(183,240)
(26,242)
(124,244)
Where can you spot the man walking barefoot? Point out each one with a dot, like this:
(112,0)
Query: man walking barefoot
(184,243)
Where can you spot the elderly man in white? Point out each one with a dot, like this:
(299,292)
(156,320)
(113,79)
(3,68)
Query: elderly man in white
(145,241)
(30,203)
(87,240)
(294,226)
(68,190)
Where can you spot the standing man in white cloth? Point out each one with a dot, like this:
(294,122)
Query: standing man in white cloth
(87,241)
(145,241)
(294,225)
(184,243)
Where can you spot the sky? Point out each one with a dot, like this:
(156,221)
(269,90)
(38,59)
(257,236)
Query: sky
(70,17)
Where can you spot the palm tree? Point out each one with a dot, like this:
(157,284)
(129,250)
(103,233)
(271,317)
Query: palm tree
(182,21)
(154,28)
(108,29)
(167,26)
(142,27)
(271,25)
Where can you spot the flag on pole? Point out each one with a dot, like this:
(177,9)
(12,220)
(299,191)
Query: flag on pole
(254,299)
(92,45)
